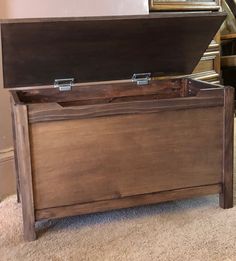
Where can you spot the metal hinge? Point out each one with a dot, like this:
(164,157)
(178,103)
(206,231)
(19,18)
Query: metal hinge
(64,84)
(141,78)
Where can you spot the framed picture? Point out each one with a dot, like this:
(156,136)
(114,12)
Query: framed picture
(178,5)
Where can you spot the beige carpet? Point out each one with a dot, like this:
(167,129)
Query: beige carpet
(183,230)
(187,230)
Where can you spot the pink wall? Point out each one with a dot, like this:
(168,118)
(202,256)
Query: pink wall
(55,8)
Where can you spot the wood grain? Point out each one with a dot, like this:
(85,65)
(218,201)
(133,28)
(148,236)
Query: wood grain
(115,157)
(54,112)
(37,53)
(226,198)
(106,205)
(90,93)
(16,167)
(25,174)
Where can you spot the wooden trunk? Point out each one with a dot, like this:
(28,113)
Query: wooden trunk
(124,147)
(110,145)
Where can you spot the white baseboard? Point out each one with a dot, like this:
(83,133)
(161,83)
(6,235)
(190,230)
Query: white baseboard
(7,177)
(6,155)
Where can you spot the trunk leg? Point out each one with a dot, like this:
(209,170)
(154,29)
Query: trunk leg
(16,167)
(226,197)
(25,172)
(29,229)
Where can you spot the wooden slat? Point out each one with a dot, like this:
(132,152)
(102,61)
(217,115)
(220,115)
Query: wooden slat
(228,61)
(161,89)
(55,112)
(228,36)
(106,205)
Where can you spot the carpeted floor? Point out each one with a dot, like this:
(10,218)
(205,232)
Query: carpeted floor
(187,230)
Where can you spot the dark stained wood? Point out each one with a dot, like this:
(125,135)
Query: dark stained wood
(103,49)
(138,200)
(54,112)
(94,159)
(202,85)
(106,18)
(109,144)
(204,89)
(25,172)
(116,91)
(93,93)
(226,197)
(80,159)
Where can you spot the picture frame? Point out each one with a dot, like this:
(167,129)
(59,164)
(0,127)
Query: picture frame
(184,5)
